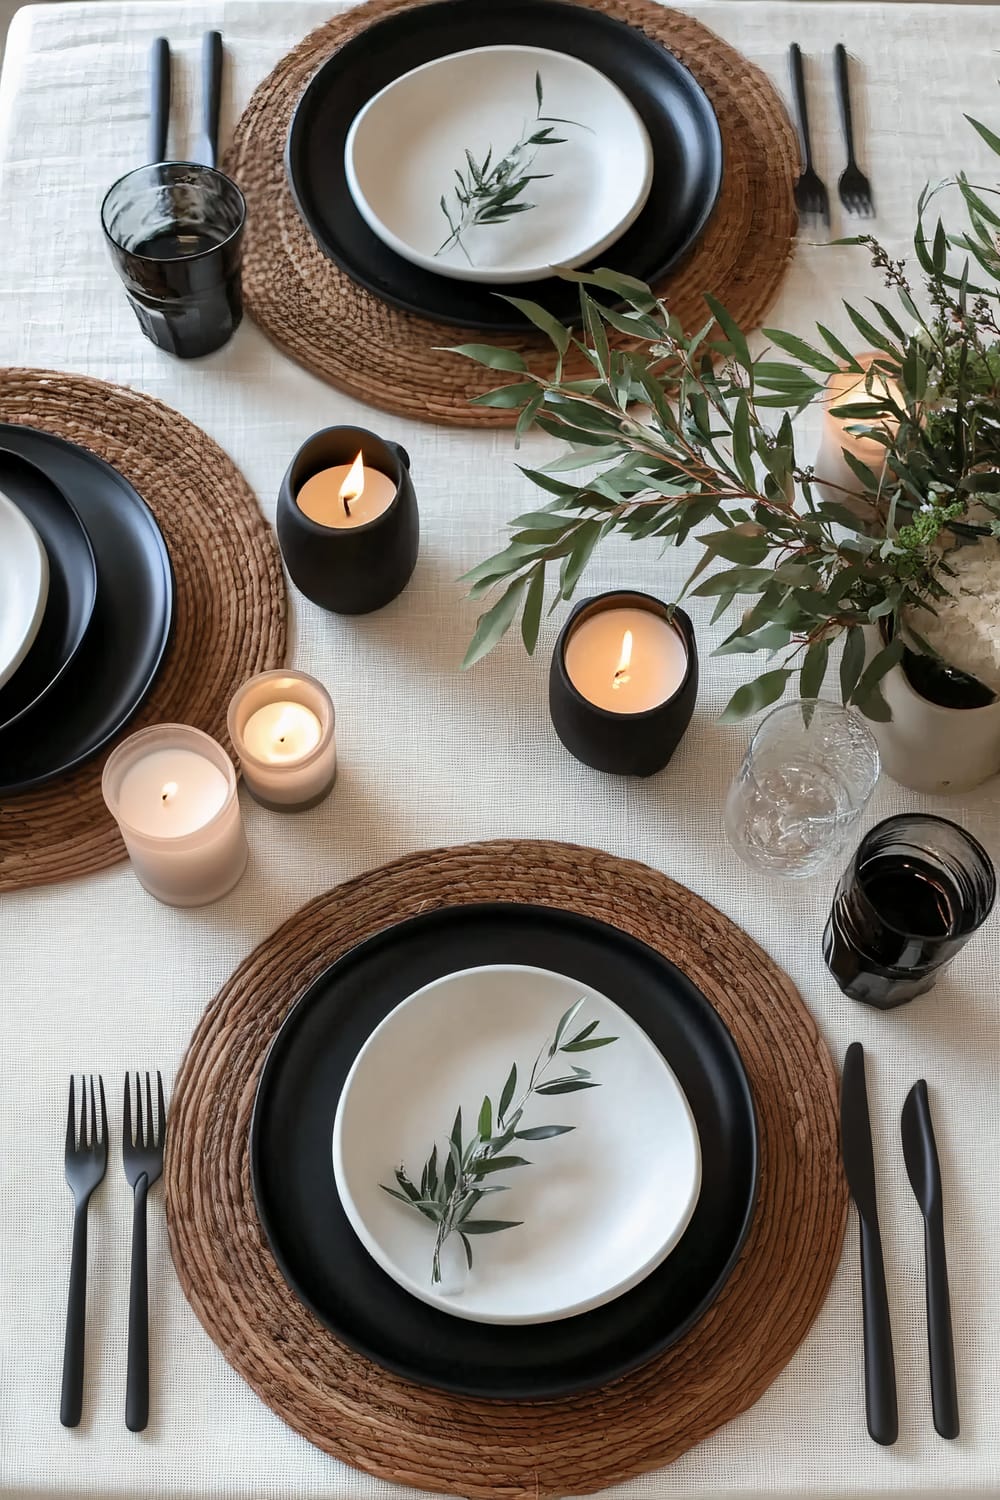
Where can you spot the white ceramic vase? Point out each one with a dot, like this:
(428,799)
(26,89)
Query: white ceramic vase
(929,748)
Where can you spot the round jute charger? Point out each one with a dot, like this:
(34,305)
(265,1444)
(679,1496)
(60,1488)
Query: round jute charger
(484,1449)
(314,312)
(229,599)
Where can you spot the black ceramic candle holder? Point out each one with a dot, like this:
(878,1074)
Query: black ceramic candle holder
(353,570)
(627,744)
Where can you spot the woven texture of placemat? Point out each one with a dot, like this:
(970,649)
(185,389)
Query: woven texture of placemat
(316,314)
(229,600)
(486,1449)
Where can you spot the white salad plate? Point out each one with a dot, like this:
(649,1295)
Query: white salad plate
(405,145)
(24,586)
(600,1206)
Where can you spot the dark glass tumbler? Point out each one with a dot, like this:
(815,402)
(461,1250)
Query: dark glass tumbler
(175,233)
(916,890)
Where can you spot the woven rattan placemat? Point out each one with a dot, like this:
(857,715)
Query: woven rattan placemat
(229,599)
(498,1451)
(316,314)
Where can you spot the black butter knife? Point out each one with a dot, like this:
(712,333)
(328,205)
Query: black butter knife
(859,1164)
(924,1171)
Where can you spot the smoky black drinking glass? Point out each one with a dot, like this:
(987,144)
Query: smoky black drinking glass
(175,234)
(916,890)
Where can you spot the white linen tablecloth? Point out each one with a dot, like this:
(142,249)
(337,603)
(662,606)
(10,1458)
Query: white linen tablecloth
(97,976)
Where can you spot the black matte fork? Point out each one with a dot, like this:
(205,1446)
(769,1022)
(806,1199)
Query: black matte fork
(811,197)
(854,187)
(142,1155)
(86,1162)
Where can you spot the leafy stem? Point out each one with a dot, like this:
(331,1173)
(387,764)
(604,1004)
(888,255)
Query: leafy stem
(489,191)
(453,1185)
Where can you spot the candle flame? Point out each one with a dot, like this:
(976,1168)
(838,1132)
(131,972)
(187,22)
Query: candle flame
(169,791)
(622,673)
(353,486)
(283,724)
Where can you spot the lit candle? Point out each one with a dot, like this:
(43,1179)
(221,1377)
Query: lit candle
(281,725)
(282,733)
(623,683)
(172,791)
(834,475)
(347,520)
(626,660)
(346,495)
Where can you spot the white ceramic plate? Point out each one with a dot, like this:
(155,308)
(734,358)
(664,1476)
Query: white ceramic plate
(404,147)
(601,1206)
(24,586)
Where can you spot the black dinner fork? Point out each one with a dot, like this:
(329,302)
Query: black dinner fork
(811,197)
(86,1162)
(142,1155)
(854,187)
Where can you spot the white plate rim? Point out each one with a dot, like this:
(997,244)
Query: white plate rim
(37,559)
(494,274)
(453,1305)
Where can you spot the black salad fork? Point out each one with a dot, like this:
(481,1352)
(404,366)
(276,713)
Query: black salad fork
(86,1162)
(142,1154)
(854,187)
(811,197)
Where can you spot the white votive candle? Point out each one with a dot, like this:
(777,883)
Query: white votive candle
(835,479)
(282,733)
(346,495)
(172,791)
(626,660)
(282,728)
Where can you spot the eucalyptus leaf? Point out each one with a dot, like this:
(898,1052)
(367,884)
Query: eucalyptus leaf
(569,1087)
(494,623)
(851,662)
(499,1164)
(506,397)
(490,355)
(813,672)
(753,696)
(489,1226)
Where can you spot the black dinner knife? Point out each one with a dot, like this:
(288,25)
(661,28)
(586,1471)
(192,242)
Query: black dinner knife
(207,150)
(859,1165)
(924,1172)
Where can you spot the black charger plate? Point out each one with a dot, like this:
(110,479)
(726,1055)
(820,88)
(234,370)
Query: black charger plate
(323,1260)
(116,666)
(687,148)
(72,585)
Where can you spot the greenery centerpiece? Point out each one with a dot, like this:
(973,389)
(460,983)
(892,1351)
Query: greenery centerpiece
(678,436)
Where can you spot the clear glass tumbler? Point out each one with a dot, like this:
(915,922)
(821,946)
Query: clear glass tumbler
(805,781)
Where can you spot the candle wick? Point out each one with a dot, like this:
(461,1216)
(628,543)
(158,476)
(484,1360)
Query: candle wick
(347,506)
(621,677)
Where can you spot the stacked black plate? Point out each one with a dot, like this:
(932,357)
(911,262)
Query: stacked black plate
(325,1263)
(683,131)
(107,618)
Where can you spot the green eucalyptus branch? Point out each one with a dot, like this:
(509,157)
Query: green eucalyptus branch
(689,437)
(451,1189)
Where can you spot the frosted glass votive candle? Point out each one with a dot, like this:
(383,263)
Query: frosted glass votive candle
(172,791)
(281,725)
